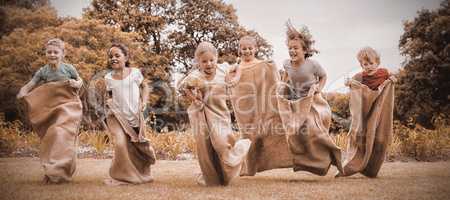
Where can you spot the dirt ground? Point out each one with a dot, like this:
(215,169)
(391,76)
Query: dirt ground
(20,178)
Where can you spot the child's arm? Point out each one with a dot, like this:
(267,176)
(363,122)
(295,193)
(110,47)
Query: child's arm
(391,76)
(76,83)
(30,85)
(356,77)
(233,75)
(26,89)
(145,93)
(284,76)
(190,88)
(320,72)
(322,81)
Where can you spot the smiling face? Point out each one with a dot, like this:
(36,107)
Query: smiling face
(54,54)
(296,51)
(207,62)
(117,58)
(247,50)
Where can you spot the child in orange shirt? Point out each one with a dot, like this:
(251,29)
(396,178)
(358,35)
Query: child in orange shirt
(372,75)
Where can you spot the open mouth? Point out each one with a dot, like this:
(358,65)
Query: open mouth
(114,62)
(209,70)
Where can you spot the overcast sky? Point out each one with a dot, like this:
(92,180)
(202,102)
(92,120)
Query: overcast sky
(340,28)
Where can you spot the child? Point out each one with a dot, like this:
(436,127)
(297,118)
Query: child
(255,106)
(371,106)
(247,52)
(55,97)
(372,75)
(220,153)
(300,70)
(133,154)
(54,71)
(306,115)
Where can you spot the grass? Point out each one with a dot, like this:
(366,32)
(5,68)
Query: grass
(408,143)
(20,179)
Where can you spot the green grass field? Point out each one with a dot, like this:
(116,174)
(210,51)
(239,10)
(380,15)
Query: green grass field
(20,178)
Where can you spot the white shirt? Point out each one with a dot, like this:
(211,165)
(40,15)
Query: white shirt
(219,77)
(126,95)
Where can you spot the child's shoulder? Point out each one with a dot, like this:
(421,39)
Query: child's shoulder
(68,66)
(135,70)
(42,68)
(223,66)
(108,75)
(269,63)
(313,62)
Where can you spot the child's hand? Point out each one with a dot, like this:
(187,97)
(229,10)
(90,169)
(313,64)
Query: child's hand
(20,95)
(313,89)
(193,95)
(232,77)
(231,82)
(74,83)
(393,79)
(347,82)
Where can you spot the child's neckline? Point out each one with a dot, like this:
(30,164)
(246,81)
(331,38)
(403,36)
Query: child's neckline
(251,64)
(128,75)
(299,66)
(371,73)
(56,68)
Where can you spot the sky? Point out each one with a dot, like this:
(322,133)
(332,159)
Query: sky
(340,28)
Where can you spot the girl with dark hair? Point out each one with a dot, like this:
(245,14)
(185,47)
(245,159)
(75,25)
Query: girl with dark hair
(128,91)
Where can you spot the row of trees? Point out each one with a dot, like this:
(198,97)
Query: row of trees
(163,34)
(423,89)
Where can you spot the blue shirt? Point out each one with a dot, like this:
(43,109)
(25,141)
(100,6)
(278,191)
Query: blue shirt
(47,74)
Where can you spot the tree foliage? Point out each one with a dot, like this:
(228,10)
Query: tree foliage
(422,93)
(173,28)
(86,45)
(213,21)
(147,18)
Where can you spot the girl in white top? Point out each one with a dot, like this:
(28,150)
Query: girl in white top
(125,93)
(124,83)
(133,153)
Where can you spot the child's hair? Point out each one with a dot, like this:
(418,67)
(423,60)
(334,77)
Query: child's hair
(124,50)
(303,36)
(204,47)
(367,54)
(248,38)
(55,42)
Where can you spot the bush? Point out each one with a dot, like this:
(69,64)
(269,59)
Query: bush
(340,118)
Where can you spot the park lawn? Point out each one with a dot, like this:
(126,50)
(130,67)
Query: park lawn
(20,178)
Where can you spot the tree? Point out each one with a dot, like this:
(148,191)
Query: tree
(209,20)
(147,18)
(27,4)
(86,45)
(150,20)
(13,17)
(174,28)
(422,92)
